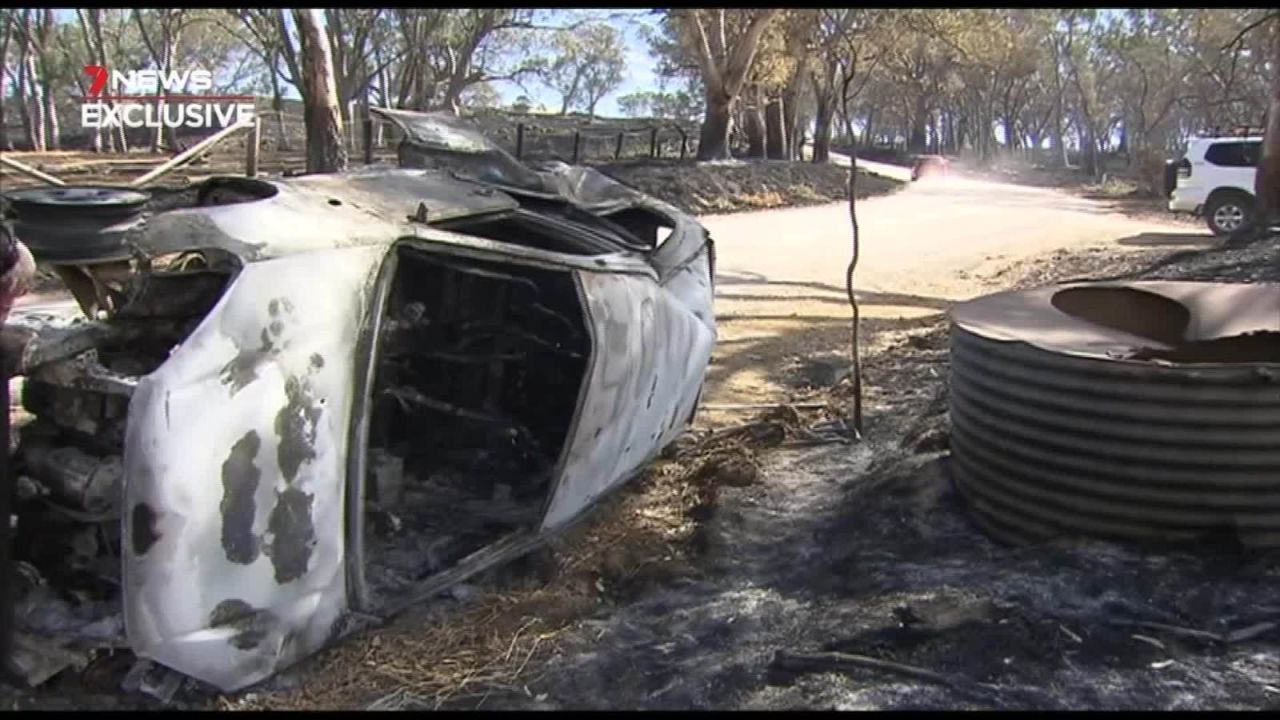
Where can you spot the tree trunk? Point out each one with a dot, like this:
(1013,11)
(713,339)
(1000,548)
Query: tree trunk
(775,129)
(162,62)
(713,141)
(54,139)
(36,103)
(848,128)
(4,53)
(326,151)
(1266,182)
(50,111)
(753,125)
(277,105)
(917,140)
(822,129)
(385,92)
(119,139)
(1088,148)
(24,112)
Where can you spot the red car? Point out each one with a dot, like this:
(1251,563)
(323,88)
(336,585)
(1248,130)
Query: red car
(930,166)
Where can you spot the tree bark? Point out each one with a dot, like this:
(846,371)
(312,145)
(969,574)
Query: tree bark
(326,150)
(7,31)
(119,139)
(918,138)
(277,105)
(24,46)
(775,129)
(753,125)
(713,141)
(822,129)
(36,103)
(1267,178)
(79,77)
(53,139)
(791,120)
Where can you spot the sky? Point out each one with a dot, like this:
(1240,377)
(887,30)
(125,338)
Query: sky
(639,75)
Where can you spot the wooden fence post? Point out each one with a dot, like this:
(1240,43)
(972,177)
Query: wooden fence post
(519,140)
(653,142)
(251,148)
(617,149)
(684,142)
(577,145)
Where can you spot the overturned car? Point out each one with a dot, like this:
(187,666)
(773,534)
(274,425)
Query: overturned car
(281,404)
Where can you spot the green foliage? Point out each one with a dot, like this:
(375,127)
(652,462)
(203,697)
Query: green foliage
(662,104)
(588,64)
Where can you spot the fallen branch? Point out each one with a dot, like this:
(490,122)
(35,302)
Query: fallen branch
(845,662)
(1235,636)
(30,171)
(190,154)
(763,406)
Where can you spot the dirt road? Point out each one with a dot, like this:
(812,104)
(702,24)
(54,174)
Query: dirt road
(781,273)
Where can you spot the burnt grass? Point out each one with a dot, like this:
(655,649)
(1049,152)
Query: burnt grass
(866,549)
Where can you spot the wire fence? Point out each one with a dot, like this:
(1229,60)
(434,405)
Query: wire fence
(530,138)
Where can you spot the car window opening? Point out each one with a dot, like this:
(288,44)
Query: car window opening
(479,369)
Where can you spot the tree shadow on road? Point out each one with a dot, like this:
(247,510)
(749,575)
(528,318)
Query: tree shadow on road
(865,297)
(1165,239)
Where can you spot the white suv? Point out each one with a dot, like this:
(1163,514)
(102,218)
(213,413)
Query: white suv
(1215,179)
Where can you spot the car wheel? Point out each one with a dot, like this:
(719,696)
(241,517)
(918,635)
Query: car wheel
(1228,213)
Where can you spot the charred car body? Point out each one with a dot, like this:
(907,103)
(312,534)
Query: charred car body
(299,399)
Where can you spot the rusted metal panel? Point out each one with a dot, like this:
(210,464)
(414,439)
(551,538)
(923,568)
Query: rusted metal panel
(1146,418)
(236,460)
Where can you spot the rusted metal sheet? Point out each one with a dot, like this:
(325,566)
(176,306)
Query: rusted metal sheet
(1141,411)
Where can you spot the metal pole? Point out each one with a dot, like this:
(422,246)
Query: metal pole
(577,145)
(519,140)
(251,147)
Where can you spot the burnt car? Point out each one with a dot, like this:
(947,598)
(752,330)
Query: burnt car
(282,404)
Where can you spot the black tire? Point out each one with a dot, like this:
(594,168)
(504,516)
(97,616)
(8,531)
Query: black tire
(1230,212)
